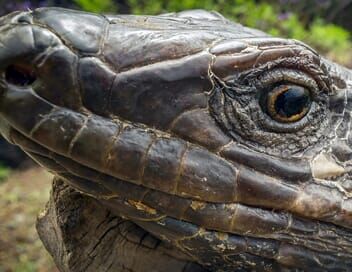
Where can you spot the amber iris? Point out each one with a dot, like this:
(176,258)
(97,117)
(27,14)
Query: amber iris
(288,103)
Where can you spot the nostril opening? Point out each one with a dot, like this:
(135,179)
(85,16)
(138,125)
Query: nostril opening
(20,76)
(25,19)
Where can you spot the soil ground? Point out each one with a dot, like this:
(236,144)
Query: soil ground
(22,195)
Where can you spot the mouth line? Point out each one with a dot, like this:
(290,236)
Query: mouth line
(196,174)
(150,207)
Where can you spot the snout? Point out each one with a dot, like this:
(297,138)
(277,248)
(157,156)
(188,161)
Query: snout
(22,49)
(23,42)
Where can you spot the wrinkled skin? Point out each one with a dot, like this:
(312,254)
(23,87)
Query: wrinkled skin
(159,118)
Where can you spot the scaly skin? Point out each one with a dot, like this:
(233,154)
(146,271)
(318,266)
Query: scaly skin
(159,118)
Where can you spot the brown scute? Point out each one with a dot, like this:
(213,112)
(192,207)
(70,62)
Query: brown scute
(29,111)
(93,141)
(211,216)
(127,153)
(260,190)
(58,129)
(95,93)
(67,24)
(157,94)
(207,177)
(228,47)
(319,202)
(162,164)
(291,170)
(197,126)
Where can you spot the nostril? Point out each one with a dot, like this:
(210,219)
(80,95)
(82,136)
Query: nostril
(25,18)
(20,76)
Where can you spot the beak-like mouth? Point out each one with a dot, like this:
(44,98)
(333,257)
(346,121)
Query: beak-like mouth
(225,228)
(62,141)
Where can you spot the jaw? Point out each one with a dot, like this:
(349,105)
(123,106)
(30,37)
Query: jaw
(220,228)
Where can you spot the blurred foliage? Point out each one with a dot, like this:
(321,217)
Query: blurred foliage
(333,11)
(327,38)
(97,5)
(21,199)
(4,172)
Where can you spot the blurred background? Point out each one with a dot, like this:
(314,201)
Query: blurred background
(326,25)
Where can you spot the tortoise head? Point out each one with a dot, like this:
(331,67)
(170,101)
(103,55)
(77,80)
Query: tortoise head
(208,134)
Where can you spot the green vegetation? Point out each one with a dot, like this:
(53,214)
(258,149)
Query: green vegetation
(4,173)
(21,199)
(329,39)
(333,40)
(97,5)
(25,265)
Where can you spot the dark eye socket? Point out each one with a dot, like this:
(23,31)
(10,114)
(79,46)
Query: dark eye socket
(288,103)
(19,75)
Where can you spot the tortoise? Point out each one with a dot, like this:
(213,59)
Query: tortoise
(215,147)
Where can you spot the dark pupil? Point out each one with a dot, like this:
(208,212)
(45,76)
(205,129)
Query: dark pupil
(292,102)
(19,76)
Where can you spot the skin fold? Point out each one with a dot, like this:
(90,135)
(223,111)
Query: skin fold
(165,120)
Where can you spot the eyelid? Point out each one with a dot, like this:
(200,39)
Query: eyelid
(277,75)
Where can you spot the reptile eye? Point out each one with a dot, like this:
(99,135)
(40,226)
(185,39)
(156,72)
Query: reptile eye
(288,103)
(20,76)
